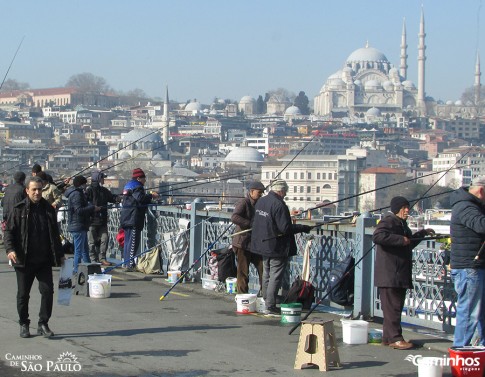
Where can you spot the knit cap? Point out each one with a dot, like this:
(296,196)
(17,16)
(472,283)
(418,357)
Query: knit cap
(397,203)
(138,173)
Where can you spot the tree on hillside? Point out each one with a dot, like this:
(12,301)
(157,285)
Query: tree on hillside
(88,83)
(469,98)
(260,106)
(301,101)
(281,93)
(12,84)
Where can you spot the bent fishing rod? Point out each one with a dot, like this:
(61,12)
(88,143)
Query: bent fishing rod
(182,276)
(126,261)
(351,269)
(293,159)
(11,62)
(384,187)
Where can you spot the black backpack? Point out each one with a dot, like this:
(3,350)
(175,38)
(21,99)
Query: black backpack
(341,282)
(226,264)
(301,291)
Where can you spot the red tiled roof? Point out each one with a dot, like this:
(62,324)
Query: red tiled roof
(382,170)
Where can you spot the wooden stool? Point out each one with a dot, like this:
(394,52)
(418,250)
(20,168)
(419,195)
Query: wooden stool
(317,345)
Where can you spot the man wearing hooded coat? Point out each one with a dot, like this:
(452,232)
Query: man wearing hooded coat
(98,229)
(393,268)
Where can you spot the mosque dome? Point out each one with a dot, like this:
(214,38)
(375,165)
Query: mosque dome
(372,84)
(142,135)
(193,106)
(247,99)
(124,155)
(373,111)
(367,54)
(244,154)
(358,82)
(388,86)
(449,102)
(158,156)
(408,85)
(213,112)
(293,110)
(458,103)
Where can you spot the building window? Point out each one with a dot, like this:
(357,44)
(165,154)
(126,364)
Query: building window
(309,175)
(308,189)
(324,175)
(295,175)
(302,189)
(302,175)
(287,175)
(318,189)
(318,175)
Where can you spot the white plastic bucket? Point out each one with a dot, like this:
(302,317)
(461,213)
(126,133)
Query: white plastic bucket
(430,367)
(354,331)
(231,285)
(173,276)
(99,286)
(246,303)
(291,313)
(260,305)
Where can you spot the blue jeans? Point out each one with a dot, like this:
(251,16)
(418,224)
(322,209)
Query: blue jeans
(470,306)
(81,248)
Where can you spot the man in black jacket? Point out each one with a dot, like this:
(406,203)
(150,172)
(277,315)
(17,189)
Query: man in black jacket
(468,261)
(393,268)
(33,246)
(14,193)
(273,237)
(79,212)
(243,217)
(98,229)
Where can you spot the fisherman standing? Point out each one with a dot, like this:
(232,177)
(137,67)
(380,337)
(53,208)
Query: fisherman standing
(98,229)
(14,193)
(132,216)
(79,212)
(393,268)
(273,237)
(243,217)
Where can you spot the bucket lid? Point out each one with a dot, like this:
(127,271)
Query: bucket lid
(99,277)
(292,305)
(467,349)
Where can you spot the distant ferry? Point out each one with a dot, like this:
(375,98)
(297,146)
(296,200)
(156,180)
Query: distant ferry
(436,219)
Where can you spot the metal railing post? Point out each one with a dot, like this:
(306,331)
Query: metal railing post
(364,271)
(196,237)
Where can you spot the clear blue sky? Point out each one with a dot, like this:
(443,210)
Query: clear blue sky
(227,49)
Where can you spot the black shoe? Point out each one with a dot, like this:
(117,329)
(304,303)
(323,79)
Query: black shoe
(24,331)
(272,312)
(44,330)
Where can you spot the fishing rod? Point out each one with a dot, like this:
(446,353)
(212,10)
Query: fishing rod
(355,264)
(11,63)
(296,155)
(182,276)
(387,186)
(124,262)
(111,154)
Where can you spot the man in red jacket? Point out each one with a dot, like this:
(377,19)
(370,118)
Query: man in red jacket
(243,217)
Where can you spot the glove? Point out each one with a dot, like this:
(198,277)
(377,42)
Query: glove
(306,228)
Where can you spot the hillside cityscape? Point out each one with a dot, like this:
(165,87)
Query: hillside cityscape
(369,126)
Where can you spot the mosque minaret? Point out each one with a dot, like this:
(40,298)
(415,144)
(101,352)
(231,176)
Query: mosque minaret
(477,80)
(403,69)
(166,119)
(421,66)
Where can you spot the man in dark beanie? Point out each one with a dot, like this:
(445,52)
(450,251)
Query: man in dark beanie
(243,218)
(393,268)
(79,212)
(14,193)
(132,216)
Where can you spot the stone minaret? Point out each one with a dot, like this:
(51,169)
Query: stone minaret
(421,60)
(403,68)
(477,80)
(166,119)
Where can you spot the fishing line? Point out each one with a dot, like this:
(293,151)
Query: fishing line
(11,63)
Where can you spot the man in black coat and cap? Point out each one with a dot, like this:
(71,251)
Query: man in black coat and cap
(14,193)
(393,268)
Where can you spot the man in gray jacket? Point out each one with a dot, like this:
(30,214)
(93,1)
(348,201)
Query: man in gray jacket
(273,237)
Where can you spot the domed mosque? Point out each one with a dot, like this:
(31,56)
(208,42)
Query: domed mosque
(368,80)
